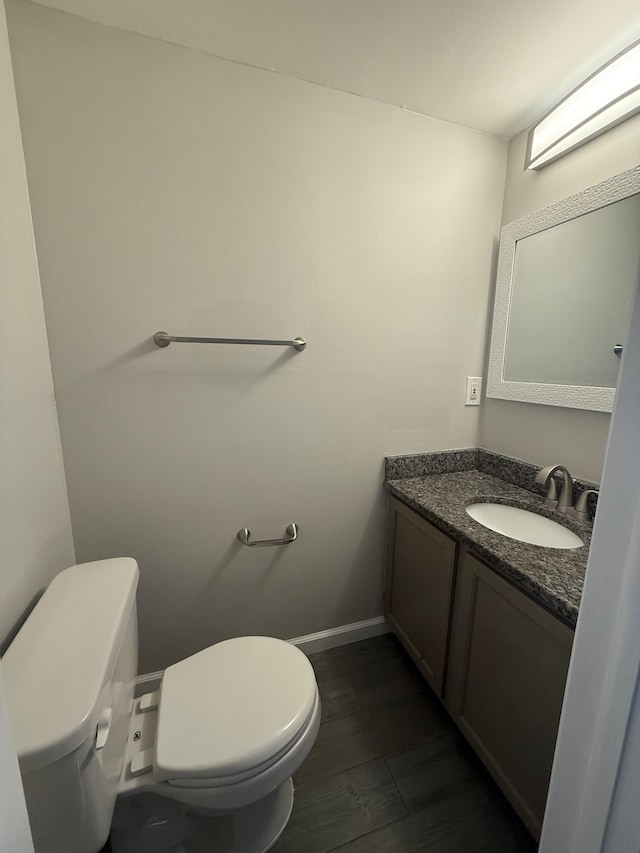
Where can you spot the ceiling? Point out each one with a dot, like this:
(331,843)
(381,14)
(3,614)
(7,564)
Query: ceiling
(492,65)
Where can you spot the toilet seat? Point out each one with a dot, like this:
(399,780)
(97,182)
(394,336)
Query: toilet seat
(231,711)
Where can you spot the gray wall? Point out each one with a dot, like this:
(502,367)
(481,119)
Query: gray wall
(545,434)
(172,190)
(36,537)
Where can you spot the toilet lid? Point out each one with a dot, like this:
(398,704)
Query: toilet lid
(232,707)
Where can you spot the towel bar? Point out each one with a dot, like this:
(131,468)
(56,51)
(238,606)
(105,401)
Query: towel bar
(163,339)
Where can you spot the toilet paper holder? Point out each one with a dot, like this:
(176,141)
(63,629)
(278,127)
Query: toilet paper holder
(291,531)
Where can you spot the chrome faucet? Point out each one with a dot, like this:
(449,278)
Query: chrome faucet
(564,503)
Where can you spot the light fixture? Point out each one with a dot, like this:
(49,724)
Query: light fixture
(608,97)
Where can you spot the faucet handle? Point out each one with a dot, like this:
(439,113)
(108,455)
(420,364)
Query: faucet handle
(545,477)
(581,511)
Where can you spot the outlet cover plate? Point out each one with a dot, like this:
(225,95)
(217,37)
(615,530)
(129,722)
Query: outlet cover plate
(474,390)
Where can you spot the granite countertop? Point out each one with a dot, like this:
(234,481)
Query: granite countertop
(551,576)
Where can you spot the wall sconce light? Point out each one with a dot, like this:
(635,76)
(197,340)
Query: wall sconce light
(608,97)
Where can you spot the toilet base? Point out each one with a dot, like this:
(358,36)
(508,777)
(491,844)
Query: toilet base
(149,823)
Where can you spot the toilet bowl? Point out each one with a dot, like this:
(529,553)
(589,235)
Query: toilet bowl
(213,749)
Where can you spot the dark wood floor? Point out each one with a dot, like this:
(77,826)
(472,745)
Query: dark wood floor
(389,772)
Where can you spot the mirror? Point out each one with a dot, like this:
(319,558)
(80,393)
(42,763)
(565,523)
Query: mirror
(564,287)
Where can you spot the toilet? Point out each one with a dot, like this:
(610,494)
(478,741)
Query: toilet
(208,755)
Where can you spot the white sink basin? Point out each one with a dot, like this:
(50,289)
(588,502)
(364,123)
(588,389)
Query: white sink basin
(524,525)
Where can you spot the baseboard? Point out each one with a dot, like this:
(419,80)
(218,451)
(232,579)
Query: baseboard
(318,642)
(342,635)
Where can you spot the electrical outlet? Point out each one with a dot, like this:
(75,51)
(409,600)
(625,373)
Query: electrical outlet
(474,387)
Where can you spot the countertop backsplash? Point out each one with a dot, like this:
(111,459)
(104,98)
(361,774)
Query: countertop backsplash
(507,468)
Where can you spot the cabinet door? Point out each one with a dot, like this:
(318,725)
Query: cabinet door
(418,589)
(507,671)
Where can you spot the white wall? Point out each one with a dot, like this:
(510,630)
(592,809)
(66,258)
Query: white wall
(172,190)
(36,533)
(545,434)
(36,537)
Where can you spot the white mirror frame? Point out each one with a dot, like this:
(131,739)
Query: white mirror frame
(572,396)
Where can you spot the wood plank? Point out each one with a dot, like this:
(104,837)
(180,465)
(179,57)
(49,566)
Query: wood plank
(438,769)
(338,696)
(373,733)
(459,825)
(340,809)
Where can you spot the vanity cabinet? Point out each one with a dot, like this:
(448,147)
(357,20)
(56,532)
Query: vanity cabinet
(496,658)
(419,589)
(507,670)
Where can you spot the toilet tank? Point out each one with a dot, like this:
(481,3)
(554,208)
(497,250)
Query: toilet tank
(70,677)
